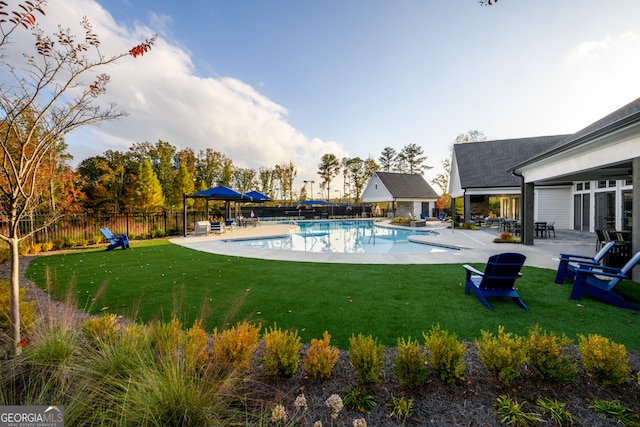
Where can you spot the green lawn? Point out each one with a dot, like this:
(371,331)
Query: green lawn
(156,279)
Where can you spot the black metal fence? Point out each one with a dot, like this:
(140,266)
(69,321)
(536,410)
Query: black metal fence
(82,229)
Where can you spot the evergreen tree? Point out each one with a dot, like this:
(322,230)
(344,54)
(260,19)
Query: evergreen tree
(147,193)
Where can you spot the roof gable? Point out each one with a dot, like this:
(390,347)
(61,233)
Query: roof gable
(486,164)
(407,186)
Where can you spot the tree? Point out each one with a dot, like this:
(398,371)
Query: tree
(387,159)
(147,193)
(286,172)
(183,184)
(470,136)
(442,179)
(53,92)
(411,159)
(244,179)
(267,177)
(328,169)
(359,172)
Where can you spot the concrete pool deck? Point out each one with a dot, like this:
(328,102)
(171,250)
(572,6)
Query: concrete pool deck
(475,247)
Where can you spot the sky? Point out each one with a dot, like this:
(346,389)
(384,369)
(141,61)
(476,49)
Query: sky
(278,81)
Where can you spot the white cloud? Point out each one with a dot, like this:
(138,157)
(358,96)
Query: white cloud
(166,100)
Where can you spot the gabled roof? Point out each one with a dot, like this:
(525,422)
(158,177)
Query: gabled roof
(486,164)
(407,186)
(628,114)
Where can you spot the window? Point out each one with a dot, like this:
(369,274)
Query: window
(579,186)
(587,185)
(612,183)
(602,184)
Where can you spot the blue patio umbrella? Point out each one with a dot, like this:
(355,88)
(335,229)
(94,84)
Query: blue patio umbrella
(221,193)
(257,196)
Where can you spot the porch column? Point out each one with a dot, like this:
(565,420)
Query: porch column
(527,213)
(635,213)
(467,208)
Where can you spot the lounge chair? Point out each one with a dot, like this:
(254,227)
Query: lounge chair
(442,216)
(601,282)
(115,240)
(568,263)
(498,278)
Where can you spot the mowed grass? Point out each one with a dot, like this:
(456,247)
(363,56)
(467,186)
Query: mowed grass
(158,280)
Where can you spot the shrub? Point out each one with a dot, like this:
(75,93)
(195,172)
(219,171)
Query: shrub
(557,411)
(446,354)
(24,248)
(195,345)
(411,363)
(83,242)
(548,356)
(166,338)
(27,308)
(616,410)
(70,242)
(359,399)
(35,248)
(321,357)
(100,331)
(401,408)
(96,239)
(157,233)
(235,346)
(503,355)
(282,352)
(47,246)
(511,412)
(58,243)
(367,358)
(603,359)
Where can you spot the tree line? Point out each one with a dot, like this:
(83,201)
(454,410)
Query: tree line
(150,177)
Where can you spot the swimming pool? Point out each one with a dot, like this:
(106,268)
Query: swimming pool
(344,236)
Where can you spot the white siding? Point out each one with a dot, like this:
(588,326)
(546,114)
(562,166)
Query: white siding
(554,204)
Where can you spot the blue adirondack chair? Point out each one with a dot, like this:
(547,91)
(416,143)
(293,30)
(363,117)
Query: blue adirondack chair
(498,278)
(600,282)
(115,240)
(569,263)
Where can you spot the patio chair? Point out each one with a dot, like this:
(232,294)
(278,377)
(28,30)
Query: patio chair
(498,278)
(551,228)
(601,282)
(602,237)
(442,216)
(115,240)
(569,262)
(217,227)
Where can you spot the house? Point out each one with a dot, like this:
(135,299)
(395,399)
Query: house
(602,161)
(473,181)
(595,171)
(406,194)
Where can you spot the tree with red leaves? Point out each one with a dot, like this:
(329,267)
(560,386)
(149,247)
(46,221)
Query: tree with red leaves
(47,99)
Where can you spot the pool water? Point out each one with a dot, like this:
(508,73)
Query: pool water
(345,237)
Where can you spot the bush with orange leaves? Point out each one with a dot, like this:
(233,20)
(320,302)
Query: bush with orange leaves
(235,346)
(321,357)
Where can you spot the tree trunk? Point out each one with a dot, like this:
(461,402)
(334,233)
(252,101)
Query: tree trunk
(15,295)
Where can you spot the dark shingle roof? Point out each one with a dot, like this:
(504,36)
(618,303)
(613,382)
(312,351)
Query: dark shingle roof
(486,164)
(404,185)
